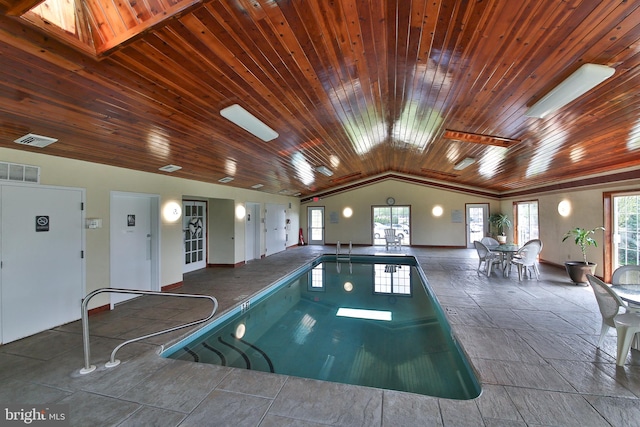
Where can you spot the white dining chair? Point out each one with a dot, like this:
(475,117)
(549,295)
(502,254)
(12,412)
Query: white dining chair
(527,256)
(627,274)
(627,326)
(487,257)
(612,307)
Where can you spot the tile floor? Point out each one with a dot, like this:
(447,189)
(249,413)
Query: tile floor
(531,342)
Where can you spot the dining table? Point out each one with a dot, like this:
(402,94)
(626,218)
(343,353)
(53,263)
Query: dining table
(506,251)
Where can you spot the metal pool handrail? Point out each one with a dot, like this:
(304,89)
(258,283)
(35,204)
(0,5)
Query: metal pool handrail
(340,256)
(113,361)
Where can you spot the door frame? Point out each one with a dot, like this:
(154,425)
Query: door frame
(155,237)
(252,233)
(187,268)
(309,233)
(485,222)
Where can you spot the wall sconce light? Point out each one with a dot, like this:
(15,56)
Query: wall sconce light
(437,211)
(241,211)
(347,212)
(172,211)
(564,208)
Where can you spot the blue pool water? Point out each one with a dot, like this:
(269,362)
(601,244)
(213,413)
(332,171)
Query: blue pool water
(373,321)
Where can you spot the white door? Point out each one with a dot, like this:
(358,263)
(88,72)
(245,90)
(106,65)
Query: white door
(252,231)
(42,276)
(315,226)
(134,243)
(194,223)
(276,229)
(477,222)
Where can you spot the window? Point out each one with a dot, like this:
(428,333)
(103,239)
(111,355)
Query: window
(392,279)
(626,230)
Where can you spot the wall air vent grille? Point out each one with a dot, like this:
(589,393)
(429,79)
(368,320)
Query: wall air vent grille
(33,140)
(13,172)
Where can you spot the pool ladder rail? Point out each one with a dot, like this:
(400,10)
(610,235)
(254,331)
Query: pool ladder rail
(113,361)
(343,257)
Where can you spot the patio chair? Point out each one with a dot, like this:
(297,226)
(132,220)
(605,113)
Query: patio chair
(391,238)
(489,241)
(610,304)
(487,257)
(527,256)
(625,275)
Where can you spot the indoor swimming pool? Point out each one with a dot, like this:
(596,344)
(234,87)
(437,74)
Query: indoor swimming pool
(370,321)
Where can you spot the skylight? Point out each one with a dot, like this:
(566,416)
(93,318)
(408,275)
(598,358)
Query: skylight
(61,13)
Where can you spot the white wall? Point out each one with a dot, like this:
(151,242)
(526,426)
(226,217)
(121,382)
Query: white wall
(99,180)
(587,211)
(426,230)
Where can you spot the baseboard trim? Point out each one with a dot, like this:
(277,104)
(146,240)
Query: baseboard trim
(171,287)
(96,310)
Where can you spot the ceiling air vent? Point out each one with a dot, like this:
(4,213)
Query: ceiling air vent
(33,140)
(19,173)
(225,179)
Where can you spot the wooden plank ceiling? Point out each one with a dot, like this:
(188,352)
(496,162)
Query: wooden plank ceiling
(361,87)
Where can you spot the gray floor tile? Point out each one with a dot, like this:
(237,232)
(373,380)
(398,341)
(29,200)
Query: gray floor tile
(330,403)
(252,382)
(540,407)
(21,392)
(405,409)
(87,409)
(223,409)
(617,411)
(153,417)
(180,386)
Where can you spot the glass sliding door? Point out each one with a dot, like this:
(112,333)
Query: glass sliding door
(396,217)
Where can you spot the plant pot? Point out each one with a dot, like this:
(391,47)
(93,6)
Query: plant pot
(501,239)
(578,270)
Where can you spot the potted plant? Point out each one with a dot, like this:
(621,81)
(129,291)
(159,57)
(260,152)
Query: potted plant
(501,222)
(578,270)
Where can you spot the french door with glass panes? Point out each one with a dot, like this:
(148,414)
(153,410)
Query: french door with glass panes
(195,235)
(526,221)
(315,231)
(396,217)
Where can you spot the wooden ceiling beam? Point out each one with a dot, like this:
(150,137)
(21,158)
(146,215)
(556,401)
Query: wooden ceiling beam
(21,7)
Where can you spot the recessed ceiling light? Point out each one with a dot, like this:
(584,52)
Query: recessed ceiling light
(464,163)
(581,81)
(324,170)
(247,121)
(256,186)
(225,179)
(170,168)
